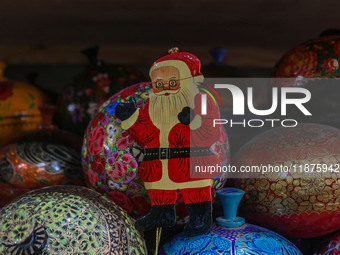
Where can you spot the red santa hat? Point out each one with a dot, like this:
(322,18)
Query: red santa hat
(187,64)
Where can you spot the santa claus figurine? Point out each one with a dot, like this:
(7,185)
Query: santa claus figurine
(176,138)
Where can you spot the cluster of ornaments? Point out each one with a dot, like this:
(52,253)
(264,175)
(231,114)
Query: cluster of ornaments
(123,137)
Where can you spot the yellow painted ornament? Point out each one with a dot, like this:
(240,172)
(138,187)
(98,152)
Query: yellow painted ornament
(19,104)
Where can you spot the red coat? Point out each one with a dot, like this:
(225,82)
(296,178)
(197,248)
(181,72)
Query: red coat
(147,135)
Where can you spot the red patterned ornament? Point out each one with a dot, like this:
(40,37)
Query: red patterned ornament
(44,157)
(303,202)
(314,65)
(317,58)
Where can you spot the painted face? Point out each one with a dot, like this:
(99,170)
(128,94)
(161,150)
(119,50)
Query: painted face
(165,80)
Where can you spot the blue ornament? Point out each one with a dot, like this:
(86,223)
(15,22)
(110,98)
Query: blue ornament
(231,235)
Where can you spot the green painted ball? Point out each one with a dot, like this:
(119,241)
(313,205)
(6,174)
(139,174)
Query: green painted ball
(67,220)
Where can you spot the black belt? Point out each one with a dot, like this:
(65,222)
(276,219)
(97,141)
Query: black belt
(170,153)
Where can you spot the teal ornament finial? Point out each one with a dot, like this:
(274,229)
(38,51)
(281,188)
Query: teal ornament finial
(230,199)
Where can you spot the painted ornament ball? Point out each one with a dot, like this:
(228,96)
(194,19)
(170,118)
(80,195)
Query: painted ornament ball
(236,237)
(44,157)
(67,220)
(28,165)
(248,239)
(303,201)
(314,65)
(19,107)
(111,157)
(317,58)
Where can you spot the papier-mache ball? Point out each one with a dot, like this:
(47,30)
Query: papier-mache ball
(67,220)
(300,196)
(314,65)
(231,235)
(19,107)
(43,157)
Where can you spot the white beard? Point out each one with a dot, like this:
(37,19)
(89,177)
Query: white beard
(164,110)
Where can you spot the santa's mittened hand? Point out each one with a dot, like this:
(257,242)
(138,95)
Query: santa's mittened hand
(186,115)
(124,111)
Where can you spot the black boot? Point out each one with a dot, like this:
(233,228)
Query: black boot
(159,216)
(200,218)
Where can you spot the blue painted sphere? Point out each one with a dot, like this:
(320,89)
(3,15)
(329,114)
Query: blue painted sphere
(247,239)
(241,238)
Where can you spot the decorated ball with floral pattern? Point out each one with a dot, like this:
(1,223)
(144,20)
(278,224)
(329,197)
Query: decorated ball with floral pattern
(300,196)
(111,157)
(317,58)
(313,65)
(67,220)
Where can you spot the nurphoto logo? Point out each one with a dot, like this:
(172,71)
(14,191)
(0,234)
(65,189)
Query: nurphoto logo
(238,106)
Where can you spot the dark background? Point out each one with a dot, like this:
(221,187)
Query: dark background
(46,36)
